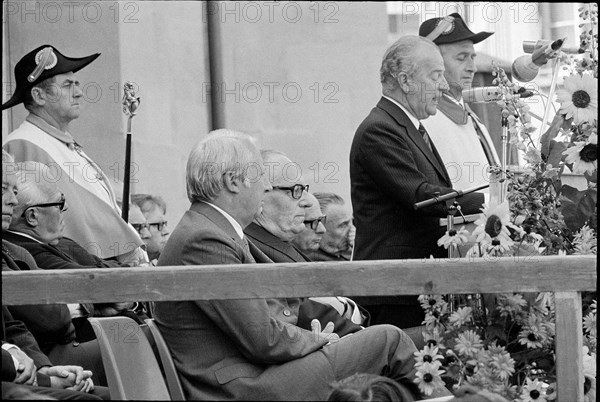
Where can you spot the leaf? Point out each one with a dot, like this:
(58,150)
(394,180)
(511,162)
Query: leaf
(555,154)
(549,135)
(577,206)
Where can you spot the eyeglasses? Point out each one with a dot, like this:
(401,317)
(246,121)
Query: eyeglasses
(140,226)
(60,204)
(314,223)
(159,225)
(296,190)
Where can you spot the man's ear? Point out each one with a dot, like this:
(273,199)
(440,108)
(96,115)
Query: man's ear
(403,82)
(31,217)
(38,95)
(232,182)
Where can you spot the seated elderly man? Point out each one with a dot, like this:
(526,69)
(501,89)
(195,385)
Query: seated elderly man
(252,348)
(48,319)
(281,220)
(338,240)
(154,210)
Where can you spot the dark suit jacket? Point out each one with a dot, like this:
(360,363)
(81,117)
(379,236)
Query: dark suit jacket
(49,323)
(216,342)
(391,168)
(67,254)
(15,332)
(280,251)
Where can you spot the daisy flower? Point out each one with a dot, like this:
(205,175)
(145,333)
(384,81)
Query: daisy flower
(468,343)
(583,155)
(461,316)
(428,355)
(428,378)
(433,302)
(432,320)
(454,238)
(510,305)
(493,224)
(589,374)
(434,338)
(579,98)
(533,334)
(533,391)
(590,322)
(503,365)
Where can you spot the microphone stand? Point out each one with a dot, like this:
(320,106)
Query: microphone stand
(452,210)
(503,163)
(130,105)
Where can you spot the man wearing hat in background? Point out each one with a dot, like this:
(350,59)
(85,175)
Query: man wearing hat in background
(47,86)
(462,141)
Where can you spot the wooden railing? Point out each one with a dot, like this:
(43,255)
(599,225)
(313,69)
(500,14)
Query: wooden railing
(567,277)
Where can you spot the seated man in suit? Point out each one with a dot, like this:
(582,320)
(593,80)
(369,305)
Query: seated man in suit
(281,223)
(31,365)
(252,348)
(36,225)
(338,241)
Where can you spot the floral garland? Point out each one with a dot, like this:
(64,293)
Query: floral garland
(505,343)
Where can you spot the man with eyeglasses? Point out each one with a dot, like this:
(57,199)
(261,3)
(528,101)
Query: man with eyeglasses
(337,242)
(37,225)
(154,209)
(282,219)
(308,241)
(48,87)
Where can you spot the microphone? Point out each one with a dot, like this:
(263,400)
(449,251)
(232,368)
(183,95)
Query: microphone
(525,68)
(530,46)
(490,94)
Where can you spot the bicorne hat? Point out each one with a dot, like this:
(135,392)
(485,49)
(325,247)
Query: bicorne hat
(42,63)
(450,29)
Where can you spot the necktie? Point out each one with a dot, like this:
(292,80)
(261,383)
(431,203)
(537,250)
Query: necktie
(484,144)
(425,136)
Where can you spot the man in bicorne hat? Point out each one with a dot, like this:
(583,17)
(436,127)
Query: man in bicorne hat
(462,140)
(47,86)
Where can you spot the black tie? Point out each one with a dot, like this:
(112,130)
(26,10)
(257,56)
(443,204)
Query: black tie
(425,136)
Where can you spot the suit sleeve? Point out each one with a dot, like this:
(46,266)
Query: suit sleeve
(391,164)
(8,367)
(260,337)
(17,333)
(48,323)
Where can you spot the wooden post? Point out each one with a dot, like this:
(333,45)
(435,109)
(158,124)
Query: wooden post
(569,344)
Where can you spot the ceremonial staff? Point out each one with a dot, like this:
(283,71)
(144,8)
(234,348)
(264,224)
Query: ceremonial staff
(130,105)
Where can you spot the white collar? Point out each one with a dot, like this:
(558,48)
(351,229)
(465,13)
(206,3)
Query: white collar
(25,235)
(412,118)
(234,223)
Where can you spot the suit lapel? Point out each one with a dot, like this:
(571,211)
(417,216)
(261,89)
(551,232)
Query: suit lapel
(220,221)
(413,134)
(273,247)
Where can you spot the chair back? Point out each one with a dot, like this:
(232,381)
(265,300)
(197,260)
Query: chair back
(132,371)
(173,383)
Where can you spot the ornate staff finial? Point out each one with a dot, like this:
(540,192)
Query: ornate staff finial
(130,101)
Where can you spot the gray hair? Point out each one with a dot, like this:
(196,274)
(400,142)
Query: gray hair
(44,85)
(35,182)
(401,57)
(222,151)
(148,202)
(326,199)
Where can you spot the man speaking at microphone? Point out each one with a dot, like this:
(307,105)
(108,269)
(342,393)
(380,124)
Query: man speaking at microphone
(462,141)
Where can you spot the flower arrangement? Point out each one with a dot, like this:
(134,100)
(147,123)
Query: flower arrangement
(510,352)
(505,343)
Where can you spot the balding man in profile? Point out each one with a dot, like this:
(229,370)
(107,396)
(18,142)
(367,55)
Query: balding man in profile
(252,348)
